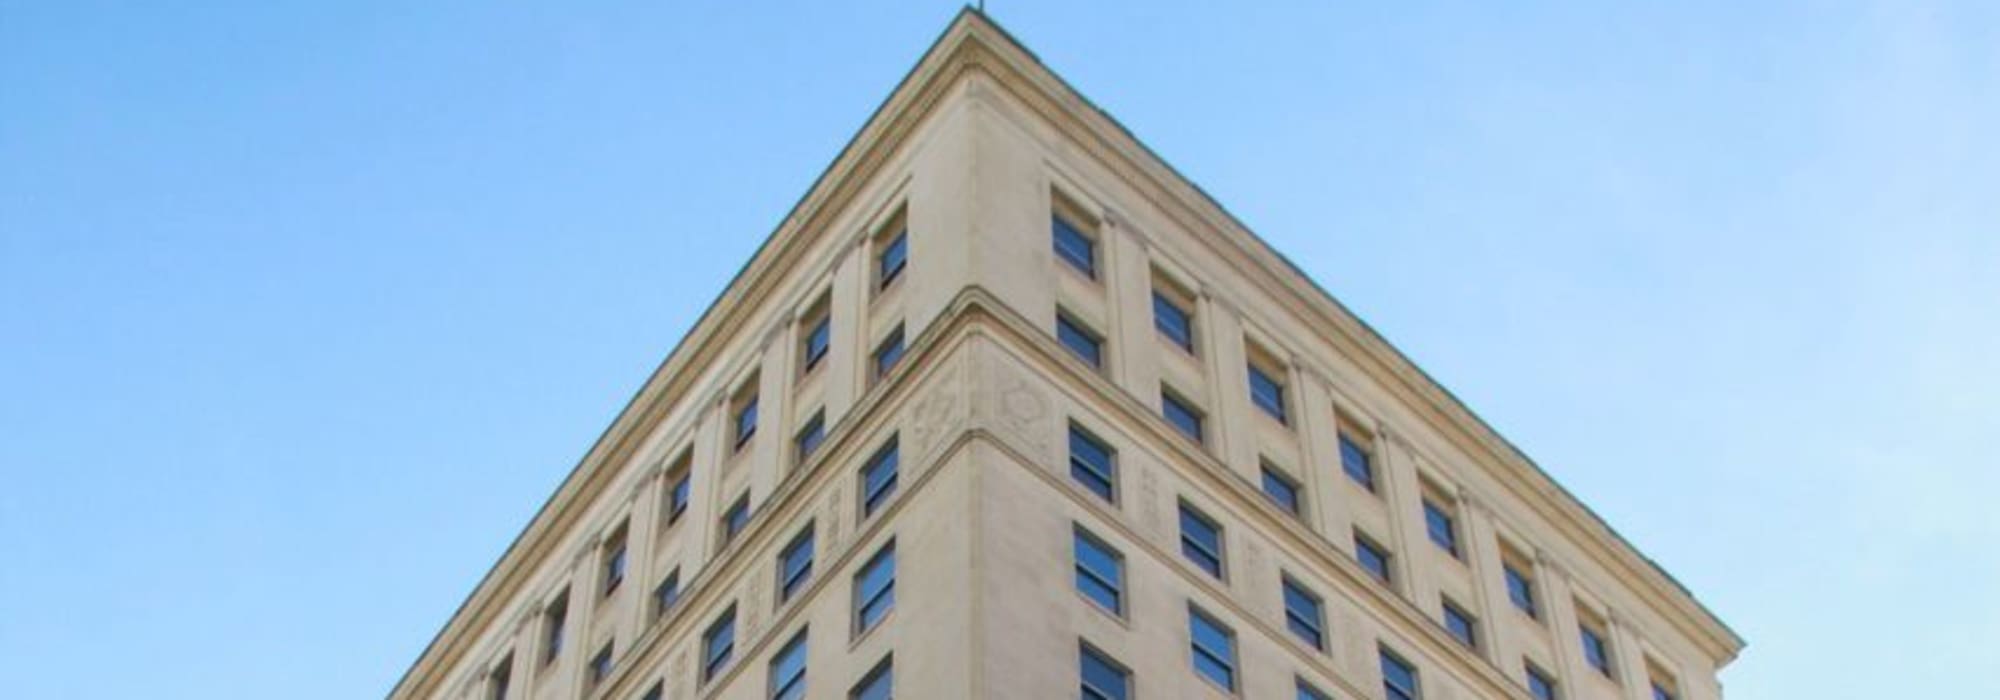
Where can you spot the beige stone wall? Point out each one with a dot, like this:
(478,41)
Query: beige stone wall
(971,156)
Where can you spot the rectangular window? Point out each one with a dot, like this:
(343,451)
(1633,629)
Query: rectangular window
(611,569)
(1306,691)
(1102,678)
(1515,569)
(1304,615)
(1356,462)
(1541,685)
(657,692)
(1662,690)
(667,593)
(554,619)
(1212,649)
(1073,247)
(1440,525)
(1172,318)
(1100,572)
(735,519)
(1201,540)
(500,679)
(1281,489)
(600,665)
(810,436)
(1093,464)
(1590,633)
(875,589)
(894,256)
(1461,624)
(1086,345)
(795,564)
(1268,392)
(744,411)
(888,352)
(817,335)
(879,684)
(878,478)
(788,670)
(1399,678)
(718,644)
(677,490)
(1372,557)
(1661,682)
(1180,413)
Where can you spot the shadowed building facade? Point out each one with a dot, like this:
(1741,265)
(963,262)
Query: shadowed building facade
(1007,408)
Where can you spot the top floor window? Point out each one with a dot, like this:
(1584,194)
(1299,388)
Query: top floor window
(1520,584)
(816,336)
(1073,246)
(1267,390)
(678,489)
(1355,459)
(894,255)
(614,561)
(1173,316)
(1590,634)
(555,619)
(1441,525)
(744,411)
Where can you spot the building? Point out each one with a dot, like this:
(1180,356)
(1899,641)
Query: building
(1007,408)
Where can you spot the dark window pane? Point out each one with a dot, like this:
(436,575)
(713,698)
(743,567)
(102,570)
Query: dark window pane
(1103,679)
(1354,461)
(879,478)
(1282,490)
(1399,679)
(1461,625)
(677,499)
(894,256)
(1307,692)
(788,670)
(1595,650)
(1303,616)
(1267,393)
(1090,464)
(1173,322)
(1372,557)
(1201,541)
(797,563)
(1099,572)
(1443,531)
(890,351)
(1080,341)
(1213,650)
(667,593)
(1521,590)
(879,684)
(811,437)
(1540,685)
(718,643)
(816,341)
(746,421)
(875,589)
(1074,247)
(1183,416)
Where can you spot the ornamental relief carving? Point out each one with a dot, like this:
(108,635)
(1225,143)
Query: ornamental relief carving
(1013,405)
(939,412)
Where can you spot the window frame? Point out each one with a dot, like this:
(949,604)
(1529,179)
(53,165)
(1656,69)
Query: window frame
(1069,328)
(1363,543)
(873,495)
(1268,474)
(1177,306)
(887,353)
(1088,654)
(1220,552)
(1392,690)
(810,437)
(1084,262)
(1314,634)
(792,687)
(1195,427)
(1276,405)
(735,519)
(1357,458)
(865,601)
(1225,658)
(1107,473)
(1082,539)
(714,661)
(795,563)
(1454,617)
(883,671)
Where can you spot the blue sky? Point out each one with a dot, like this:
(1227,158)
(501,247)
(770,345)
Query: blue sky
(306,307)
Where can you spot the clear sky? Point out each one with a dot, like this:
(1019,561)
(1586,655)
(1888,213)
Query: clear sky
(305,307)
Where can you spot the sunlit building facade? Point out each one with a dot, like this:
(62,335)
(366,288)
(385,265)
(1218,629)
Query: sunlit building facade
(1007,408)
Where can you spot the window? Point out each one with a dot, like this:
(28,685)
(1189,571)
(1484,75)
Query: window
(894,256)
(1303,614)
(1660,682)
(817,334)
(600,665)
(1201,540)
(1590,632)
(1306,691)
(718,643)
(1091,463)
(879,684)
(1541,686)
(735,519)
(554,619)
(1080,341)
(667,593)
(658,691)
(744,408)
(1268,392)
(1461,624)
(788,670)
(1355,460)
(612,566)
(1172,319)
(1371,556)
(500,679)
(878,478)
(1103,679)
(1520,583)
(1281,489)
(1212,649)
(1399,678)
(1073,247)
(875,589)
(677,490)
(1100,572)
(1662,690)
(888,352)
(795,564)
(1178,412)
(1440,524)
(811,436)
